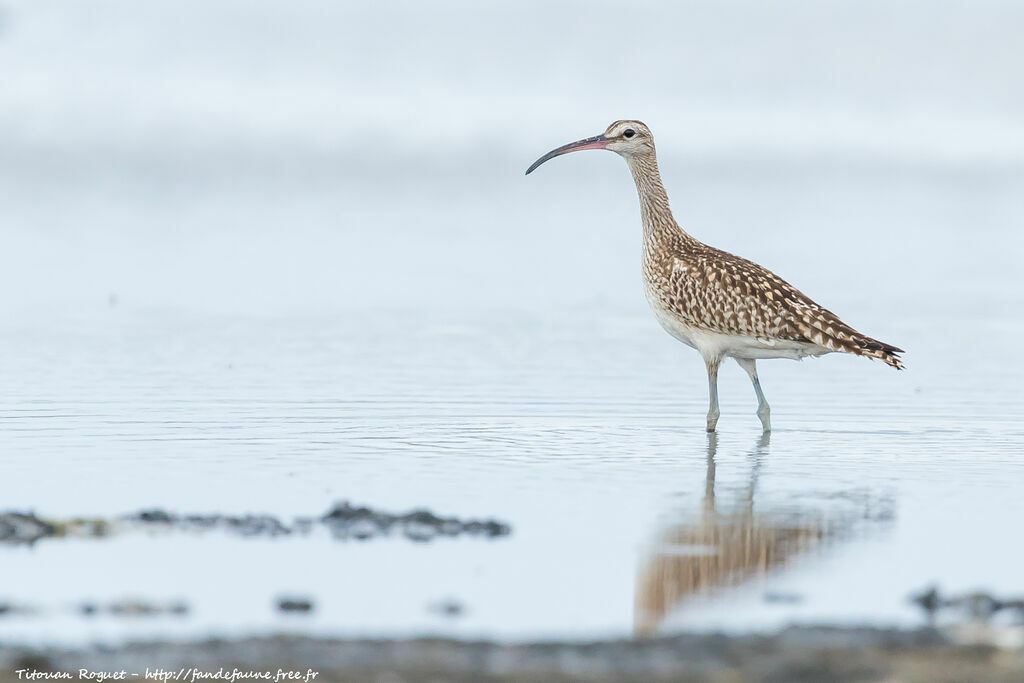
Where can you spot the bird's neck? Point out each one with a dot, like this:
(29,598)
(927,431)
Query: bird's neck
(660,228)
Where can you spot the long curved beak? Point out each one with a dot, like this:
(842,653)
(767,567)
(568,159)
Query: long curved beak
(596,142)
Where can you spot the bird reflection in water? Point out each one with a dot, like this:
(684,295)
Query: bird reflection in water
(724,548)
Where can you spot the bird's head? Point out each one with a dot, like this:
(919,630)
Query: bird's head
(625,138)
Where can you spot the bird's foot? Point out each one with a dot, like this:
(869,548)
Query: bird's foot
(764,413)
(712,420)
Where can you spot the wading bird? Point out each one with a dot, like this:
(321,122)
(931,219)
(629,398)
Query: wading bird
(722,305)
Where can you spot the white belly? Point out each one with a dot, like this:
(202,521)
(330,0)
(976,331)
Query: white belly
(719,345)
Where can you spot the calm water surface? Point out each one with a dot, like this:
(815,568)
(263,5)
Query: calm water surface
(583,431)
(284,268)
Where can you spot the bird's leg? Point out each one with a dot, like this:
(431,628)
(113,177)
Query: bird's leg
(713,412)
(764,412)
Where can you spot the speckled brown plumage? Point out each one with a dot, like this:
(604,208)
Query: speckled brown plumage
(713,290)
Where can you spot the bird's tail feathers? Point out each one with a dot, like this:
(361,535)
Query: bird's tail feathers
(872,348)
(837,336)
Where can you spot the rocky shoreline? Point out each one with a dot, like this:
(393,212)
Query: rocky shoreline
(794,654)
(343,521)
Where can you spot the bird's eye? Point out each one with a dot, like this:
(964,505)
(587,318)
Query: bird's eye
(629,132)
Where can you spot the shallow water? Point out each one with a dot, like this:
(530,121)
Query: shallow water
(592,452)
(216,317)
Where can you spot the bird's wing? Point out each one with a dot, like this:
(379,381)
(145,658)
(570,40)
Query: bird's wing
(721,292)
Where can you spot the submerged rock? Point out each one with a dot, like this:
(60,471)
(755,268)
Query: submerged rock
(136,608)
(19,527)
(295,605)
(344,522)
(244,525)
(347,521)
(26,527)
(977,606)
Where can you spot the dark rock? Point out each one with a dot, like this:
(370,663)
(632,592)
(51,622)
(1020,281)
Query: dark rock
(296,605)
(20,527)
(155,516)
(978,606)
(420,525)
(140,608)
(344,522)
(928,600)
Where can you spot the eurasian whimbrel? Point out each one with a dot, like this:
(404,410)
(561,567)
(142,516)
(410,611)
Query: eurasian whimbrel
(722,305)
